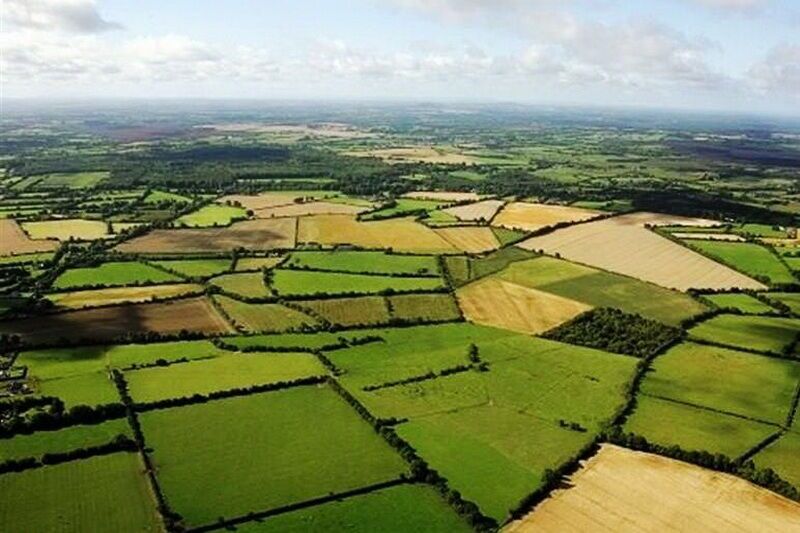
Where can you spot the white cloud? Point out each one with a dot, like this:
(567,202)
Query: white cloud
(779,71)
(734,5)
(74,16)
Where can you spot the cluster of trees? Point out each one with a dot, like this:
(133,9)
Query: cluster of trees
(49,414)
(612,330)
(119,443)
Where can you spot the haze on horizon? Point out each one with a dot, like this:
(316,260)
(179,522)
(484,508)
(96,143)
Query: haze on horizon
(726,55)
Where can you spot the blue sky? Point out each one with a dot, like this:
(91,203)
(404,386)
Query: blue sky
(738,55)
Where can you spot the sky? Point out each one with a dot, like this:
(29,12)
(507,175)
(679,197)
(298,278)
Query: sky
(716,55)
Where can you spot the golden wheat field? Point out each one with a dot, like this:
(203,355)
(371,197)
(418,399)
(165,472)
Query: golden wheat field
(470,239)
(529,216)
(626,491)
(479,210)
(309,208)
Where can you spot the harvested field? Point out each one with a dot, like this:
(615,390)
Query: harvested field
(191,314)
(529,217)
(256,263)
(622,244)
(118,295)
(310,208)
(369,310)
(484,210)
(266,234)
(264,200)
(626,491)
(66,229)
(501,304)
(709,236)
(402,234)
(364,262)
(267,318)
(443,196)
(14,241)
(470,239)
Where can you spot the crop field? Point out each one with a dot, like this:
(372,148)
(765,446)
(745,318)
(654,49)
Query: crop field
(256,263)
(196,268)
(221,373)
(62,440)
(781,456)
(66,229)
(108,323)
(14,241)
(36,500)
(601,289)
(443,196)
(401,234)
(256,202)
(306,442)
(529,217)
(766,334)
(741,383)
(265,234)
(741,302)
(120,295)
(753,259)
(425,307)
(211,215)
(246,284)
(372,262)
(417,154)
(494,302)
(303,283)
(623,490)
(670,423)
(363,311)
(113,275)
(483,210)
(623,245)
(473,240)
(264,318)
(310,208)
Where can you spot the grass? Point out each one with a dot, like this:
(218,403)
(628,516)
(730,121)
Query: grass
(212,215)
(118,295)
(63,440)
(27,258)
(730,381)
(505,236)
(155,197)
(304,283)
(361,311)
(113,275)
(402,508)
(94,388)
(425,307)
(66,229)
(256,263)
(739,301)
(750,258)
(71,180)
(497,261)
(603,289)
(767,334)
(196,268)
(264,318)
(222,373)
(293,341)
(99,494)
(792,299)
(781,456)
(246,284)
(674,424)
(281,447)
(373,262)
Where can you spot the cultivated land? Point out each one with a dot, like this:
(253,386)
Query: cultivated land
(211,215)
(246,284)
(283,447)
(781,456)
(529,217)
(622,244)
(483,210)
(425,307)
(361,311)
(791,299)
(767,334)
(421,154)
(263,201)
(622,490)
(200,268)
(470,239)
(267,317)
(443,196)
(303,283)
(14,241)
(256,263)
(64,230)
(494,302)
(753,259)
(372,262)
(120,295)
(113,274)
(265,234)
(741,302)
(310,208)
(71,496)
(63,440)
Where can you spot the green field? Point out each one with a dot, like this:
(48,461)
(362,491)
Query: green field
(264,318)
(63,440)
(295,341)
(782,457)
(726,380)
(155,197)
(26,258)
(281,447)
(93,388)
(425,307)
(218,374)
(256,263)
(69,180)
(303,283)
(246,284)
(95,495)
(400,508)
(199,268)
(792,299)
(750,258)
(360,311)
(505,236)
(742,302)
(766,334)
(113,275)
(602,289)
(212,215)
(373,262)
(669,423)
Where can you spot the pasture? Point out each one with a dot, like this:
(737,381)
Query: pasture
(623,245)
(424,307)
(62,440)
(372,262)
(14,241)
(91,388)
(196,268)
(403,206)
(245,284)
(761,333)
(282,447)
(739,301)
(750,258)
(791,299)
(305,283)
(218,374)
(256,263)
(361,311)
(781,456)
(70,180)
(211,215)
(734,382)
(529,217)
(263,318)
(113,275)
(72,496)
(623,490)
